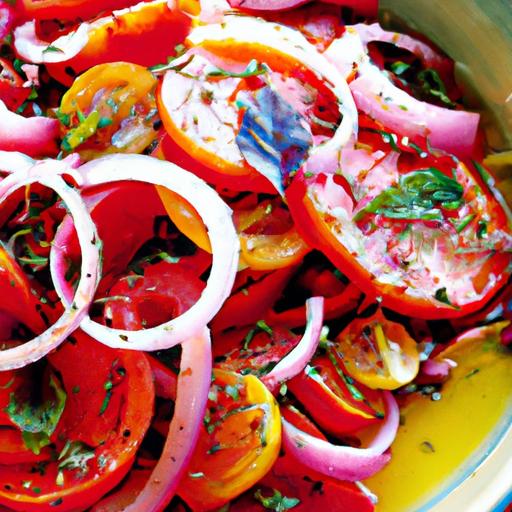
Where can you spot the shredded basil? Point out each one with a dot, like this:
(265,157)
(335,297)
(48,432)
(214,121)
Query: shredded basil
(432,85)
(254,68)
(419,195)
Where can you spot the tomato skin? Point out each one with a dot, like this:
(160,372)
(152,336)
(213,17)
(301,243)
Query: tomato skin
(85,368)
(330,403)
(318,235)
(249,304)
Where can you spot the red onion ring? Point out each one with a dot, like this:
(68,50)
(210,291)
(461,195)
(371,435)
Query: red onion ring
(193,385)
(12,161)
(344,462)
(299,357)
(44,173)
(35,136)
(225,245)
(374,32)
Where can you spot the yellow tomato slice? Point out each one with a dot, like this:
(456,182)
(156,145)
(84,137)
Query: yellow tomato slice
(110,108)
(378,353)
(239,442)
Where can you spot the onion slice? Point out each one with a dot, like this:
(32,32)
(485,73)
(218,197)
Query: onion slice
(44,174)
(35,136)
(249,30)
(192,394)
(216,216)
(13,161)
(344,462)
(299,357)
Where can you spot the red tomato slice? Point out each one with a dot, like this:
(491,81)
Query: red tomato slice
(333,399)
(108,409)
(12,92)
(446,261)
(69,9)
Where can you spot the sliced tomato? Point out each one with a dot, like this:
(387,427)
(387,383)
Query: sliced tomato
(333,399)
(238,444)
(443,259)
(254,351)
(166,290)
(108,408)
(254,292)
(126,36)
(12,92)
(377,352)
(293,480)
(206,116)
(19,298)
(110,108)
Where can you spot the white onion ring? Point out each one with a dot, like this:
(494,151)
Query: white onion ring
(192,395)
(344,462)
(294,362)
(285,40)
(44,173)
(216,216)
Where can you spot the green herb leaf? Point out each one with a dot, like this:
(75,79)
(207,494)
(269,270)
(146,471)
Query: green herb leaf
(52,49)
(432,85)
(277,501)
(399,67)
(272,136)
(254,68)
(38,423)
(85,130)
(417,196)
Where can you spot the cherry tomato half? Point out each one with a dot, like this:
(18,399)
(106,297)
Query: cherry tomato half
(238,444)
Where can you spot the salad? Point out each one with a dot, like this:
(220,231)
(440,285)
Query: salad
(239,238)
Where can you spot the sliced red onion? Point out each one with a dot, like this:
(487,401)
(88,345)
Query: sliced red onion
(216,216)
(434,371)
(453,131)
(34,136)
(344,462)
(192,394)
(375,94)
(299,357)
(267,5)
(366,7)
(13,161)
(246,29)
(75,310)
(374,32)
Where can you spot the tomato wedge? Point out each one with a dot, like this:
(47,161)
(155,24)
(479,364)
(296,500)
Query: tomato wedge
(333,399)
(377,352)
(431,241)
(238,444)
(108,408)
(69,9)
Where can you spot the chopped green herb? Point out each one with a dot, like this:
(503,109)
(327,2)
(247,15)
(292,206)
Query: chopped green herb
(442,296)
(52,49)
(38,422)
(277,501)
(233,392)
(254,68)
(399,67)
(427,447)
(416,196)
(85,130)
(432,85)
(261,324)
